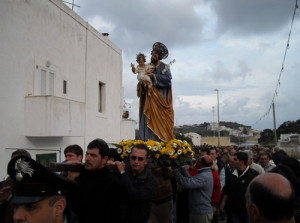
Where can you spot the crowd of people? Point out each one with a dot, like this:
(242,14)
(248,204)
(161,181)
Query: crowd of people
(229,184)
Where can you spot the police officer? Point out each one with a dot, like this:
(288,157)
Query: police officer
(38,194)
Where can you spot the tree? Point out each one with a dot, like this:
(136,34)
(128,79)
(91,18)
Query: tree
(245,131)
(289,127)
(224,133)
(266,136)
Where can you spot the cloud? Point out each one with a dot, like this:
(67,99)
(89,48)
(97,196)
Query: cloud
(235,46)
(222,73)
(100,24)
(141,23)
(252,17)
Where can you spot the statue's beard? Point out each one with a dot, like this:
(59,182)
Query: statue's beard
(154,61)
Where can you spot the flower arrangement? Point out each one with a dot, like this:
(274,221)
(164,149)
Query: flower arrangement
(172,153)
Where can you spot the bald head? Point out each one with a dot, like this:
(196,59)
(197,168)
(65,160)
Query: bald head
(206,161)
(270,197)
(276,183)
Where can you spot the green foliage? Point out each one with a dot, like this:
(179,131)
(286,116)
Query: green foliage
(224,133)
(233,125)
(238,139)
(289,127)
(266,136)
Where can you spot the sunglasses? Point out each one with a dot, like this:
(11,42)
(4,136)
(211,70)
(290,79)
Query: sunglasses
(138,158)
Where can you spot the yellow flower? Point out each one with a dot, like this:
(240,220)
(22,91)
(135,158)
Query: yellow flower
(192,155)
(161,151)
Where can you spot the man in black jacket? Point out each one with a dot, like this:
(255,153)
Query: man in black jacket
(100,194)
(140,185)
(235,189)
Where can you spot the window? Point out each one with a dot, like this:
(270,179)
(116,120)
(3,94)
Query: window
(46,159)
(47,82)
(65,87)
(101,98)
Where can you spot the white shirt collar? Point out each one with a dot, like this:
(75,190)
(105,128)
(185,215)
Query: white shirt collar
(235,172)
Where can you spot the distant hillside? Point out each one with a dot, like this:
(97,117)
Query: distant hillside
(202,129)
(234,125)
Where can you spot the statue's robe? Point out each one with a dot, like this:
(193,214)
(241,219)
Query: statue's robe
(156,111)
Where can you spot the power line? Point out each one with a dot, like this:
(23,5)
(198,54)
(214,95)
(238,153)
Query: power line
(282,67)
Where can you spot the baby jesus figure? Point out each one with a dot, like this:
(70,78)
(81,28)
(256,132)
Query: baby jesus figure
(143,69)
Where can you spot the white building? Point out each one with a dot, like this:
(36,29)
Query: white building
(290,143)
(61,81)
(196,138)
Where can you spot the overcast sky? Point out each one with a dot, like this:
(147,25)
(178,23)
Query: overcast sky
(236,46)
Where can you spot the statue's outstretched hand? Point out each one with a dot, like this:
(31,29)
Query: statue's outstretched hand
(132,67)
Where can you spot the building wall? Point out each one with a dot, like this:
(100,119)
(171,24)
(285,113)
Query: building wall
(44,44)
(213,141)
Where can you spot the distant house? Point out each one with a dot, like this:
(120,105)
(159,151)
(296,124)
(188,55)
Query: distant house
(61,82)
(290,143)
(196,138)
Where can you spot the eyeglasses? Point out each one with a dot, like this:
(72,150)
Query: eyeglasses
(138,158)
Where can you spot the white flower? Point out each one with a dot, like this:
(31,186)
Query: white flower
(120,150)
(155,148)
(171,153)
(149,147)
(179,152)
(184,141)
(128,150)
(174,145)
(180,140)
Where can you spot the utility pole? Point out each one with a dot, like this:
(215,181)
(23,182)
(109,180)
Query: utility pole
(217,90)
(213,123)
(274,121)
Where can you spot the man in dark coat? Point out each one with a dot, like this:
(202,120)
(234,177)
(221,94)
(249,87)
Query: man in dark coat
(99,196)
(140,185)
(235,189)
